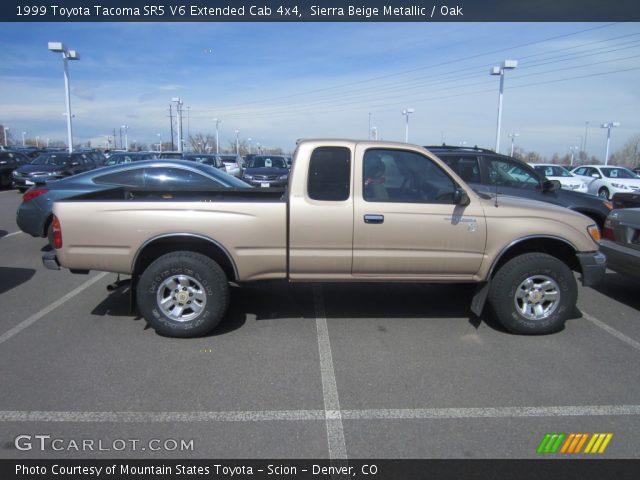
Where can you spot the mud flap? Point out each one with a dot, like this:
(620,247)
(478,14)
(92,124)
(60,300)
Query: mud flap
(479,298)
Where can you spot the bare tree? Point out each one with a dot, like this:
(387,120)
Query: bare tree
(629,154)
(201,143)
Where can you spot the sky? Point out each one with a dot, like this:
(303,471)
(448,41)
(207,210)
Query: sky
(277,82)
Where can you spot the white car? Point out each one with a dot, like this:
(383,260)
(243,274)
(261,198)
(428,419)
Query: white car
(604,181)
(556,172)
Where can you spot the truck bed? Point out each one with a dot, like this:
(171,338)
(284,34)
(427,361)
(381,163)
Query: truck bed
(223,194)
(107,230)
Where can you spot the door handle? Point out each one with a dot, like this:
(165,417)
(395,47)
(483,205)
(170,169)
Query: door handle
(369,218)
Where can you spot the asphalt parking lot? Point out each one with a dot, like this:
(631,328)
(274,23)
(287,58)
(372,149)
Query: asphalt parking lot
(302,371)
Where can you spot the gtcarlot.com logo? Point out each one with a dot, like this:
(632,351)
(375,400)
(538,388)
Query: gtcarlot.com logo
(573,443)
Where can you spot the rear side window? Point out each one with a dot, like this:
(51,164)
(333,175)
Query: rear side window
(128,178)
(330,174)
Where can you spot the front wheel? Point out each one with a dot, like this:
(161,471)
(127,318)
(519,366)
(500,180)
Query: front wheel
(604,193)
(533,294)
(183,294)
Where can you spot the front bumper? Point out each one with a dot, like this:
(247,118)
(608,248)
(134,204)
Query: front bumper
(593,266)
(266,183)
(50,260)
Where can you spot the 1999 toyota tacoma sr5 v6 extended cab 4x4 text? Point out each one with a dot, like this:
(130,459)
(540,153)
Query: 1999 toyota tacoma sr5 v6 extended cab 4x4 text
(353,211)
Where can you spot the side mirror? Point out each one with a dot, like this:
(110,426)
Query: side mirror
(595,175)
(460,197)
(551,186)
(75,164)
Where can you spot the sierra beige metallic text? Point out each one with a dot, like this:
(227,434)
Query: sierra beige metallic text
(353,211)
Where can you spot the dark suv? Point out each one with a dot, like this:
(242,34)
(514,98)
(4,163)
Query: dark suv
(51,166)
(9,161)
(492,173)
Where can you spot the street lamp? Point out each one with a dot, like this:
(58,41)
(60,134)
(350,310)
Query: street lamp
(373,133)
(179,115)
(573,149)
(66,55)
(5,136)
(513,136)
(159,142)
(370,132)
(406,113)
(218,122)
(608,126)
(237,143)
(37,141)
(126,138)
(249,140)
(506,65)
(23,134)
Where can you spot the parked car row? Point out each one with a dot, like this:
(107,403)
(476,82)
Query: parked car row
(34,214)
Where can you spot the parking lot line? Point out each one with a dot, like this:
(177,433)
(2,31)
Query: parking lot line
(335,429)
(7,416)
(37,316)
(12,234)
(612,331)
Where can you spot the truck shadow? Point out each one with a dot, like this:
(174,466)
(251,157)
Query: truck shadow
(277,300)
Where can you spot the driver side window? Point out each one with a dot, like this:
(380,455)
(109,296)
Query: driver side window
(507,174)
(404,176)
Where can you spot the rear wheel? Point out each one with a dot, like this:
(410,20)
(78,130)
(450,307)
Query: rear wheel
(604,193)
(183,294)
(533,294)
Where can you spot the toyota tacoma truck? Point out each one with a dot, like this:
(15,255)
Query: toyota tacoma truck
(353,211)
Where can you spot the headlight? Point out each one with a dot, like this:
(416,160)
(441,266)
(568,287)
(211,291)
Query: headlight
(283,177)
(14,173)
(620,185)
(247,177)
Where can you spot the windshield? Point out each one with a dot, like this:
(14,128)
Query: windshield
(224,177)
(618,172)
(553,171)
(267,162)
(53,159)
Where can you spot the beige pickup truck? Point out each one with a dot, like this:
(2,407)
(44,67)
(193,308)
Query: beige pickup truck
(354,211)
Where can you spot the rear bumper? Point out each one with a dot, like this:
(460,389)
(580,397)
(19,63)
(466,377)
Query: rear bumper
(593,266)
(621,259)
(50,260)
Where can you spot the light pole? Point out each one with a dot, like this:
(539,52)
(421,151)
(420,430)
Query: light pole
(48,142)
(237,142)
(586,131)
(159,142)
(179,120)
(506,65)
(373,133)
(66,55)
(573,149)
(258,147)
(23,134)
(249,140)
(608,126)
(126,137)
(406,113)
(513,136)
(370,132)
(37,141)
(217,125)
(5,136)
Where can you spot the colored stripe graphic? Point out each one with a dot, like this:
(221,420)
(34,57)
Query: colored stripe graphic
(550,442)
(574,442)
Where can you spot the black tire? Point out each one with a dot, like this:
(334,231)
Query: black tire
(604,193)
(201,283)
(22,189)
(533,280)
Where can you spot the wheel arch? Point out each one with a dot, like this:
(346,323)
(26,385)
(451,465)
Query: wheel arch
(163,244)
(554,246)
